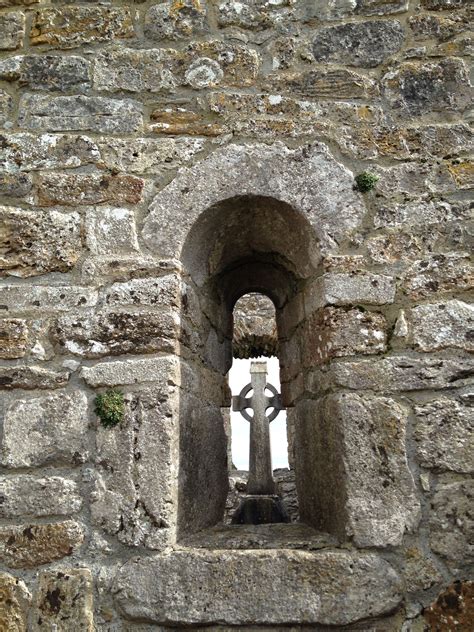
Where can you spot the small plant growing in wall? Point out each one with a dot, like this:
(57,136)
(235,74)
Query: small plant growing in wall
(110,407)
(366,181)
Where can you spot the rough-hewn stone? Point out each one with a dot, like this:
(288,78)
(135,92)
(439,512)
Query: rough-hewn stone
(452,523)
(64,601)
(164,291)
(111,231)
(444,431)
(419,571)
(442,5)
(30,545)
(365,44)
(437,274)
(77,113)
(442,325)
(131,372)
(216,587)
(31,377)
(324,84)
(14,338)
(381,7)
(24,496)
(14,604)
(350,288)
(34,242)
(175,20)
(12,30)
(6,103)
(58,424)
(70,26)
(180,120)
(15,184)
(254,15)
(254,327)
(41,298)
(47,72)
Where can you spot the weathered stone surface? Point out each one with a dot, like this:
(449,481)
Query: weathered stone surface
(41,298)
(439,27)
(14,338)
(31,377)
(26,152)
(334,9)
(36,242)
(311,593)
(419,571)
(70,26)
(180,120)
(254,327)
(200,65)
(334,332)
(111,231)
(135,494)
(132,371)
(350,288)
(438,274)
(25,496)
(64,601)
(453,609)
(29,545)
(70,190)
(49,429)
(401,373)
(444,432)
(374,500)
(323,84)
(12,30)
(311,181)
(6,104)
(462,173)
(254,15)
(381,7)
(47,72)
(125,267)
(14,604)
(175,20)
(15,184)
(420,88)
(118,332)
(143,155)
(442,5)
(419,213)
(442,325)
(76,113)
(365,44)
(452,523)
(164,291)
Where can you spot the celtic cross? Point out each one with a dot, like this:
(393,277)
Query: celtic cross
(260,464)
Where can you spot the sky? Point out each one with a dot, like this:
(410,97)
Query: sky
(239,376)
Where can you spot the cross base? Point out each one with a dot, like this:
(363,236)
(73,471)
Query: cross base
(260,510)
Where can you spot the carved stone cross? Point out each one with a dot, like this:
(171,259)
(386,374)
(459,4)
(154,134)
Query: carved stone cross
(260,466)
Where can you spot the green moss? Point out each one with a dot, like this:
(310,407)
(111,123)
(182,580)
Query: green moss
(110,407)
(366,181)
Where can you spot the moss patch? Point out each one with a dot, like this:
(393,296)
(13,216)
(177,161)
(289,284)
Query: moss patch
(366,181)
(110,407)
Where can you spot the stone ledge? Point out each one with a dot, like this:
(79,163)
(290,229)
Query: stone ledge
(257,587)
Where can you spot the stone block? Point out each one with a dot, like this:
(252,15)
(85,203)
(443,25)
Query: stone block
(352,472)
(79,113)
(401,373)
(135,493)
(15,184)
(125,267)
(70,190)
(419,570)
(24,496)
(30,545)
(47,72)
(15,602)
(381,7)
(211,587)
(161,371)
(72,26)
(462,172)
(323,84)
(6,105)
(174,119)
(451,523)
(14,338)
(425,27)
(172,20)
(255,16)
(164,292)
(444,433)
(349,288)
(12,30)
(31,377)
(28,152)
(333,10)
(111,231)
(334,332)
(15,3)
(419,88)
(36,242)
(438,274)
(364,44)
(443,5)
(117,333)
(64,601)
(144,155)
(40,298)
(443,325)
(43,430)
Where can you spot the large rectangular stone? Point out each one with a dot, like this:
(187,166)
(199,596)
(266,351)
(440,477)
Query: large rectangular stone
(111,231)
(12,30)
(442,325)
(323,84)
(163,372)
(45,430)
(257,588)
(47,72)
(25,496)
(349,289)
(164,291)
(78,113)
(40,298)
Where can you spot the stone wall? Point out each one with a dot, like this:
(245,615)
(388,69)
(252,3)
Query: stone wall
(160,159)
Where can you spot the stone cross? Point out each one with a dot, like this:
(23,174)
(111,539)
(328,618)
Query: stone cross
(260,467)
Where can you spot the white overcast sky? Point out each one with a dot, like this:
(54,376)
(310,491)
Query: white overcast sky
(239,376)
